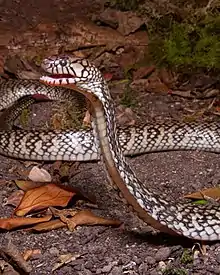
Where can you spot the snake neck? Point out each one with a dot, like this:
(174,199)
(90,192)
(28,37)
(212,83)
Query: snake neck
(144,202)
(200,222)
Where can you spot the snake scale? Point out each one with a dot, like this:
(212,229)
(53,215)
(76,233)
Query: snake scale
(200,222)
(72,145)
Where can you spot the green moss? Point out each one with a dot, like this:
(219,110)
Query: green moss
(186,257)
(128,98)
(123,5)
(189,44)
(24,117)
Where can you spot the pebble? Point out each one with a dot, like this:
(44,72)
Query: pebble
(163,254)
(85,272)
(162,266)
(150,260)
(143,268)
(89,264)
(116,270)
(129,266)
(54,251)
(154,272)
(213,270)
(124,259)
(217,270)
(107,268)
(137,260)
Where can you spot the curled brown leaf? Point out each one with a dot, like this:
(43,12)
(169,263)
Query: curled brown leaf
(12,223)
(43,197)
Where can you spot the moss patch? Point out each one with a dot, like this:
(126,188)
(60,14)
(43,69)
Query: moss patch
(186,257)
(188,44)
(24,117)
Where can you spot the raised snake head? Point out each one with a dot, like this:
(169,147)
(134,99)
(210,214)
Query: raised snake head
(68,69)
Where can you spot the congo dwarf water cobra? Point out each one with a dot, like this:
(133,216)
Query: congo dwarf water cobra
(201,222)
(80,145)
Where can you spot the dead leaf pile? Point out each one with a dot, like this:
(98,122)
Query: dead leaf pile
(38,201)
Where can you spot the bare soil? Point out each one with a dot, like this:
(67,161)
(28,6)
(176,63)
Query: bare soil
(134,248)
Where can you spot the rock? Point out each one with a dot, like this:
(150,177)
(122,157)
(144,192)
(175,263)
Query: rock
(109,17)
(125,22)
(218,257)
(216,270)
(116,270)
(128,22)
(162,254)
(151,84)
(54,251)
(143,72)
(129,266)
(150,260)
(143,268)
(154,272)
(107,268)
(162,266)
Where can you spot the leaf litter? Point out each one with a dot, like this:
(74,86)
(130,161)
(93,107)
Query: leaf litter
(39,199)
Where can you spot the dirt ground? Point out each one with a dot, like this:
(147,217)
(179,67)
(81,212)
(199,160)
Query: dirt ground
(134,248)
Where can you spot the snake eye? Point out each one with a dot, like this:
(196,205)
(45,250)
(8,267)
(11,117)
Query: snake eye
(63,62)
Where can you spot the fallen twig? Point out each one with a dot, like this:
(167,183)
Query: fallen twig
(10,253)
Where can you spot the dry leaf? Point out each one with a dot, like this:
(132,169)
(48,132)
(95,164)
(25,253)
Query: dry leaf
(56,165)
(125,116)
(210,192)
(84,217)
(39,174)
(87,119)
(30,163)
(11,223)
(26,185)
(143,72)
(48,226)
(63,214)
(15,198)
(43,197)
(31,253)
(65,259)
(22,173)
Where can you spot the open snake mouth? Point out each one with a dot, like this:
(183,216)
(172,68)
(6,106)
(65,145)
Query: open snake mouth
(58,79)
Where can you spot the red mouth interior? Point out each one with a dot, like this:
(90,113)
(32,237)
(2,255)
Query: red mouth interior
(61,76)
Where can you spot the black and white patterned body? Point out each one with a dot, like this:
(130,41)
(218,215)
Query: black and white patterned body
(201,222)
(71,145)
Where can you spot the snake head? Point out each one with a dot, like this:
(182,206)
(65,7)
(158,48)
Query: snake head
(67,69)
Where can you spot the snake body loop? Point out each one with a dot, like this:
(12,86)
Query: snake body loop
(201,222)
(72,145)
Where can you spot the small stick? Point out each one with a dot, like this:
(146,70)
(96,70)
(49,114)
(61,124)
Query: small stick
(10,253)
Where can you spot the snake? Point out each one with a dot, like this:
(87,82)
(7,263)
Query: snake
(80,145)
(10,114)
(198,222)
